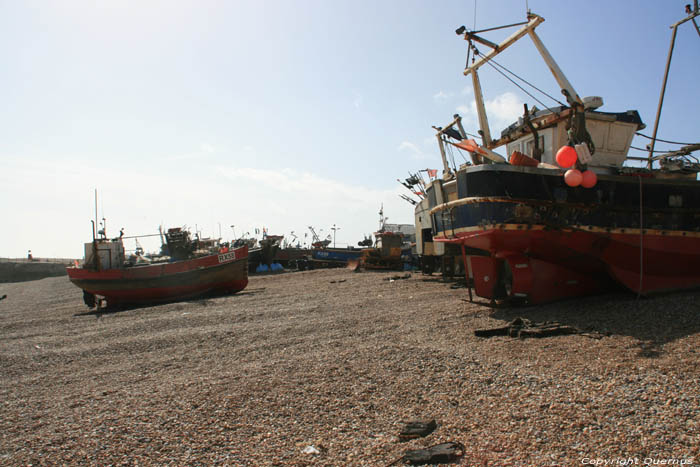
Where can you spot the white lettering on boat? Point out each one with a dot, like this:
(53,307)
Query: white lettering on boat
(227,257)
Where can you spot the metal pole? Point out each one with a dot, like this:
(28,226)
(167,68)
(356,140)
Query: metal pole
(445,166)
(334,228)
(661,97)
(96,224)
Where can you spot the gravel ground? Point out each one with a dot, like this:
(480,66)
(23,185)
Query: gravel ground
(339,360)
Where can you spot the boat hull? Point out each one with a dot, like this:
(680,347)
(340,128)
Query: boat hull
(543,241)
(216,274)
(334,257)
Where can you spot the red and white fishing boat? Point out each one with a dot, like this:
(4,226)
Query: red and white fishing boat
(530,232)
(186,268)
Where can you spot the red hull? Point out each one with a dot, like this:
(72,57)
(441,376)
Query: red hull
(545,265)
(218,273)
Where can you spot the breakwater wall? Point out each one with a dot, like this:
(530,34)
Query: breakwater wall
(20,271)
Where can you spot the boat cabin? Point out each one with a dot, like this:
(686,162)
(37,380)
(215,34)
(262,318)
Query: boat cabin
(611,134)
(104,254)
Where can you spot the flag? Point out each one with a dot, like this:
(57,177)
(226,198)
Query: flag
(432,173)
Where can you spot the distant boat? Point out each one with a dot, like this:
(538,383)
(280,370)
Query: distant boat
(334,257)
(190,268)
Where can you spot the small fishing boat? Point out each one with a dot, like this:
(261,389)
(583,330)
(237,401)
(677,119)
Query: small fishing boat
(186,268)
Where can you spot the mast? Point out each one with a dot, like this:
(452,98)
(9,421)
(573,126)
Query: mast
(695,12)
(96,224)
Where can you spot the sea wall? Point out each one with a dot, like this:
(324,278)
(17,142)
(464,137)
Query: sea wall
(30,271)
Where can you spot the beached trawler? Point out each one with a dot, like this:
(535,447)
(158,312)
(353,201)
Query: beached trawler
(186,268)
(388,245)
(530,231)
(325,256)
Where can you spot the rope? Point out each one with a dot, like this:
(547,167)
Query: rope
(641,241)
(664,141)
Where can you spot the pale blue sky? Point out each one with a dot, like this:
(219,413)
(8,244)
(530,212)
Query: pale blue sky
(281,114)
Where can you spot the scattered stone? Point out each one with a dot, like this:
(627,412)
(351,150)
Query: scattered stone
(311,450)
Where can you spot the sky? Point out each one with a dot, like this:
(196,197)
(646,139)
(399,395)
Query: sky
(283,114)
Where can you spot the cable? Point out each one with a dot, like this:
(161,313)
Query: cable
(664,141)
(452,156)
(495,63)
(528,83)
(646,150)
(516,84)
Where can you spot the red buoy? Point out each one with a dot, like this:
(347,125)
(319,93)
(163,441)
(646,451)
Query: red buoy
(566,156)
(589,179)
(573,177)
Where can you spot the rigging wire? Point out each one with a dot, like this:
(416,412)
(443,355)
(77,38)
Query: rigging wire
(527,82)
(663,140)
(459,151)
(452,156)
(647,150)
(516,84)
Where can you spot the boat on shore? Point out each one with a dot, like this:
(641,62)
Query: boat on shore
(186,268)
(529,231)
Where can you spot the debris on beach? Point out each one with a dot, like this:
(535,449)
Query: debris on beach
(522,328)
(417,429)
(397,277)
(443,453)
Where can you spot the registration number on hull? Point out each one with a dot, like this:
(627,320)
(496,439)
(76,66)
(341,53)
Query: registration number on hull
(227,257)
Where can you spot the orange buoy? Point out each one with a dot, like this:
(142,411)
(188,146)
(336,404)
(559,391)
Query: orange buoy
(573,177)
(588,179)
(566,156)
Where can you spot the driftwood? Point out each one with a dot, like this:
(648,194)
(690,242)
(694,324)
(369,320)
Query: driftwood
(522,328)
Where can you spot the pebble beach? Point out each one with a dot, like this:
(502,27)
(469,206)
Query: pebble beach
(324,368)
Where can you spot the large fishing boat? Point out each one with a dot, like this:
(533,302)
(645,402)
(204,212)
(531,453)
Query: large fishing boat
(530,231)
(186,268)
